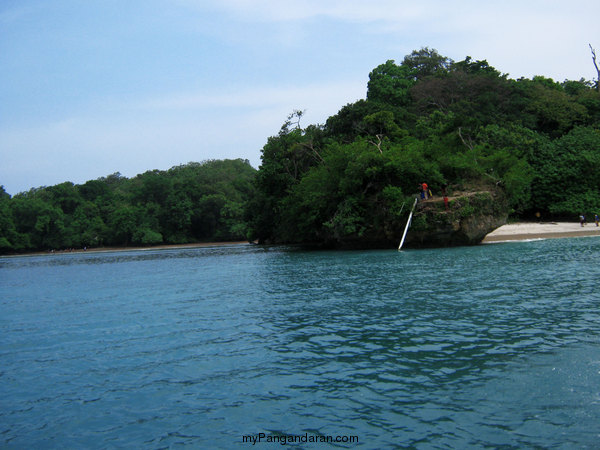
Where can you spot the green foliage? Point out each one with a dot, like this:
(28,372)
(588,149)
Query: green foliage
(394,198)
(472,67)
(189,203)
(554,111)
(347,220)
(349,122)
(146,236)
(426,63)
(567,174)
(467,210)
(460,124)
(389,84)
(8,232)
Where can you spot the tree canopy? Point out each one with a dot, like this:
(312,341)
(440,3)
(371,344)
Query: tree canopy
(189,203)
(457,125)
(430,119)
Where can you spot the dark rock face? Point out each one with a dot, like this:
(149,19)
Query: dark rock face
(469,218)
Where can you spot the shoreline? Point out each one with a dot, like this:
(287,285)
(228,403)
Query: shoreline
(540,230)
(129,249)
(514,232)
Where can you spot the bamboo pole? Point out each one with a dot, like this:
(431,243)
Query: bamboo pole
(407,224)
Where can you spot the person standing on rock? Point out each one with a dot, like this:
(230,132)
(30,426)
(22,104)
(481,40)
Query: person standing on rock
(445,194)
(425,191)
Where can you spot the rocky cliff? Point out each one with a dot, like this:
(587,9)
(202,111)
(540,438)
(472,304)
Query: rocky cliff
(469,217)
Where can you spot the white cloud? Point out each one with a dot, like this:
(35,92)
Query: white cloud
(520,38)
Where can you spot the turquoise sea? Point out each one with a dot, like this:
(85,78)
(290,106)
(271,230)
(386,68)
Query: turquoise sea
(487,346)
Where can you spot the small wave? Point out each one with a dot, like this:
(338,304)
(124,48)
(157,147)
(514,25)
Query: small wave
(514,240)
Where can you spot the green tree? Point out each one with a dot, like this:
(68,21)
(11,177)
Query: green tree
(427,62)
(64,196)
(390,84)
(207,215)
(567,174)
(348,123)
(123,224)
(548,108)
(8,233)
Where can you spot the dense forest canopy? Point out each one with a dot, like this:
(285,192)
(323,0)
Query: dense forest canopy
(430,119)
(189,203)
(462,125)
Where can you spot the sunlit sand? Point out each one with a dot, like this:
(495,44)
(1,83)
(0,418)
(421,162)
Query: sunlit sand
(541,230)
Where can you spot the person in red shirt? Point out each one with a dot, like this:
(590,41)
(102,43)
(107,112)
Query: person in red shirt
(445,195)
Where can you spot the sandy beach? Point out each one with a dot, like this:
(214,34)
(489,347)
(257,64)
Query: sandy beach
(541,230)
(510,232)
(134,248)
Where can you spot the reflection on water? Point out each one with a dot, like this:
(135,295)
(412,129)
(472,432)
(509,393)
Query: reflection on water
(494,345)
(112,257)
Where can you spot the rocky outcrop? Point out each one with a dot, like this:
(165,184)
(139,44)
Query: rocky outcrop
(469,218)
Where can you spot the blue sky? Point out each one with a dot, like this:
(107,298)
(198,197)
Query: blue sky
(89,88)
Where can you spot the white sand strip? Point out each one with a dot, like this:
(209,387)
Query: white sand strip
(543,230)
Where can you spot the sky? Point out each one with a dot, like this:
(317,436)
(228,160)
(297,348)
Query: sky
(90,88)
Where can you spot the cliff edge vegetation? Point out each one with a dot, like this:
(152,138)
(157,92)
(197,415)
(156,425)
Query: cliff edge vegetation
(524,148)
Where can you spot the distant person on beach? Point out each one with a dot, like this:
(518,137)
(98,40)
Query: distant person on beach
(596,219)
(582,220)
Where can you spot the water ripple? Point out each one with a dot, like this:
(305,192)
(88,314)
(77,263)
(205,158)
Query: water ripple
(484,346)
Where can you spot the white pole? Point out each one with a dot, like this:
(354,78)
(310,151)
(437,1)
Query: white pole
(408,224)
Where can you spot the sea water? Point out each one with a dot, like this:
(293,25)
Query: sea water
(237,346)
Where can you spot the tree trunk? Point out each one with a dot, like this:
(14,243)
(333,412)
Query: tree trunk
(596,66)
